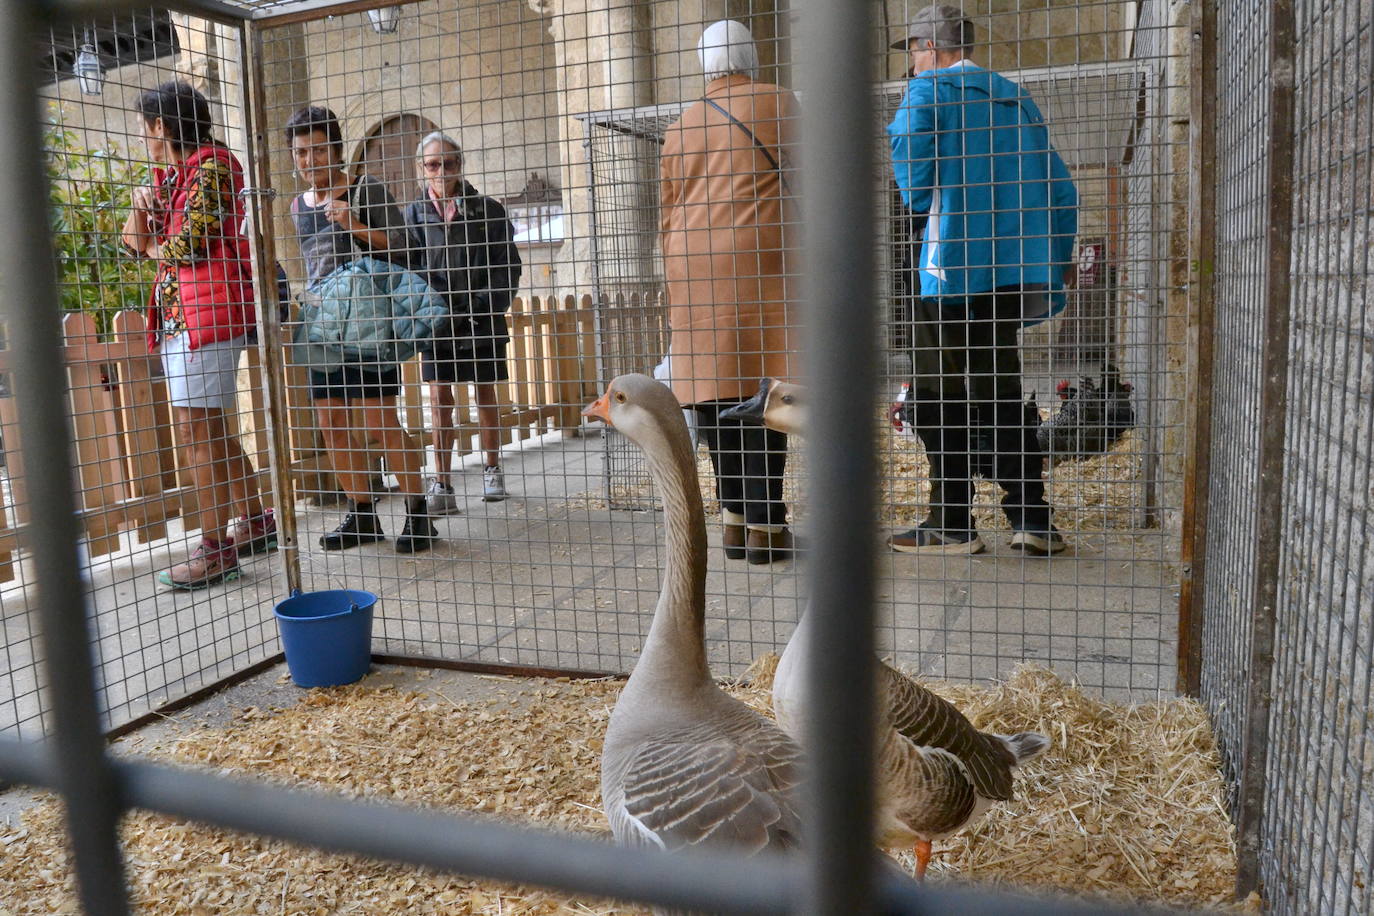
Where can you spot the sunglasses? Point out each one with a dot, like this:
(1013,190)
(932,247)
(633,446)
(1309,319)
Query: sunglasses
(448,163)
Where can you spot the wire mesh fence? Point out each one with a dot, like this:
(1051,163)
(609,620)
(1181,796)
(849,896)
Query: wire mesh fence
(1087,68)
(1309,811)
(554,172)
(155,469)
(523,178)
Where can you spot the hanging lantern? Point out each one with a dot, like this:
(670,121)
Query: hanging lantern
(88,70)
(385,20)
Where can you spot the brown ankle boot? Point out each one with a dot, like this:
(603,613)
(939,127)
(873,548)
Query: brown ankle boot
(768,546)
(732,538)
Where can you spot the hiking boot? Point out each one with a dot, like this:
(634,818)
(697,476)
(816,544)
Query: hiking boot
(439,498)
(355,529)
(494,485)
(253,535)
(206,566)
(768,546)
(419,533)
(1038,543)
(933,541)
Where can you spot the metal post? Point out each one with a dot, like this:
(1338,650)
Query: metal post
(1202,239)
(273,346)
(33,319)
(1269,491)
(836,64)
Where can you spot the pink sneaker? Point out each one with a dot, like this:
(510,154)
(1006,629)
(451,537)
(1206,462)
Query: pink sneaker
(203,568)
(253,535)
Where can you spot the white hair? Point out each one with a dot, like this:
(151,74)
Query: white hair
(727,47)
(437,136)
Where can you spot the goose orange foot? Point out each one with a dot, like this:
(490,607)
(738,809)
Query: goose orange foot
(922,858)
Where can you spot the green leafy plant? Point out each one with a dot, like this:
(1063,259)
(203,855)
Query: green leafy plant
(89,198)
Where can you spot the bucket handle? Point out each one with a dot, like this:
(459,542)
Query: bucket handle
(353,608)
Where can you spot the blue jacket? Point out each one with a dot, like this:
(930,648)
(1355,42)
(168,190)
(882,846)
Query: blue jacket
(970,148)
(366,311)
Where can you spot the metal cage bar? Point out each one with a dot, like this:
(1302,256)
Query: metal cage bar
(837,178)
(79,761)
(1202,276)
(263,242)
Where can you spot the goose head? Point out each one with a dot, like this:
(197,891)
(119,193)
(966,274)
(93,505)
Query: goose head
(641,408)
(778,405)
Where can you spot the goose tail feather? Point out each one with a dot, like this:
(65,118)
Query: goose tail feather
(1025,745)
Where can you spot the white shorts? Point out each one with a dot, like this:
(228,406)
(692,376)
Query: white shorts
(203,377)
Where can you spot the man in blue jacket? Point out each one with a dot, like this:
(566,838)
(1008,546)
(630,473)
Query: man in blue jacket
(995,214)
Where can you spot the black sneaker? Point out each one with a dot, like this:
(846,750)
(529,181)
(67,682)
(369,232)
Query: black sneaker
(355,529)
(419,533)
(926,540)
(1038,543)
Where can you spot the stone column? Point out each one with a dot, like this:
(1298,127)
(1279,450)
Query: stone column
(209,61)
(678,25)
(603,61)
(286,87)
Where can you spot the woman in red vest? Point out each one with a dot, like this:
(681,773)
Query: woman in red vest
(190,220)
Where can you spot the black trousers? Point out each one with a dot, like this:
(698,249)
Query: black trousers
(967,361)
(749,461)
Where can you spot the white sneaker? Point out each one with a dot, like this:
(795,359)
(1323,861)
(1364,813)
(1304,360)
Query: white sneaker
(493,485)
(439,498)
(1038,543)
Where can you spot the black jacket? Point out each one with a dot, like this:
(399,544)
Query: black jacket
(472,261)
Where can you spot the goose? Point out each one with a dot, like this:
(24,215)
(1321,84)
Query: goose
(684,763)
(937,773)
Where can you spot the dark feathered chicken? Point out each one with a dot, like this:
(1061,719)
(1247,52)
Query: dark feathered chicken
(1091,418)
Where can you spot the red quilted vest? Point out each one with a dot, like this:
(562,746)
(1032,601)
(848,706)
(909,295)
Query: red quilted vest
(216,288)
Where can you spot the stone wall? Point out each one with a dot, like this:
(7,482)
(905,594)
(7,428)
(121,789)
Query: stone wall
(208,60)
(1017,34)
(482,72)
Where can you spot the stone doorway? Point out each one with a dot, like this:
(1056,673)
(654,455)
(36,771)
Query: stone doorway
(388,154)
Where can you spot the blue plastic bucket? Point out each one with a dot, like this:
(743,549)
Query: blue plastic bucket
(327,636)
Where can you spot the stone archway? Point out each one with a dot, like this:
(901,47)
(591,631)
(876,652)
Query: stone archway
(388,153)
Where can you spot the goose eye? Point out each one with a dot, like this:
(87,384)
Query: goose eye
(620,397)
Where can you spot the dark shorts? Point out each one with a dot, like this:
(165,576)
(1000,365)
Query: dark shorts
(483,366)
(351,383)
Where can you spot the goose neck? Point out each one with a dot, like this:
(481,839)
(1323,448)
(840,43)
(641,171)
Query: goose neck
(675,651)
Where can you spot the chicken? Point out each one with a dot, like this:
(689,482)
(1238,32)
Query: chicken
(1091,419)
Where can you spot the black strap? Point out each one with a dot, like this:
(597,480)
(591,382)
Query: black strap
(351,198)
(772,162)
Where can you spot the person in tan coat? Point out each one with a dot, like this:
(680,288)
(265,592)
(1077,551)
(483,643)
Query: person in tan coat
(726,217)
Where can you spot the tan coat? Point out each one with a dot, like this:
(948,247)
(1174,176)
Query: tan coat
(727,223)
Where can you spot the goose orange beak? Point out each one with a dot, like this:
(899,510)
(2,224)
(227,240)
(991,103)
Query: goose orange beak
(600,409)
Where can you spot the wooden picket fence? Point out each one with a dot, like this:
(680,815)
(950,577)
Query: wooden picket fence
(129,474)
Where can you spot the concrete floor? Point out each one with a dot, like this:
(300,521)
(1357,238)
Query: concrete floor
(553,578)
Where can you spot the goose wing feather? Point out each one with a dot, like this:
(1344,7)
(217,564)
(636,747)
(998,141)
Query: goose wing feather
(932,794)
(931,721)
(686,788)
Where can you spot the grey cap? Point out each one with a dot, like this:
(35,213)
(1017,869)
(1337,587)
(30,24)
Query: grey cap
(944,24)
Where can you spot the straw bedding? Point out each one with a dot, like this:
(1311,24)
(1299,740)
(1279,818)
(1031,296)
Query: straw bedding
(1127,803)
